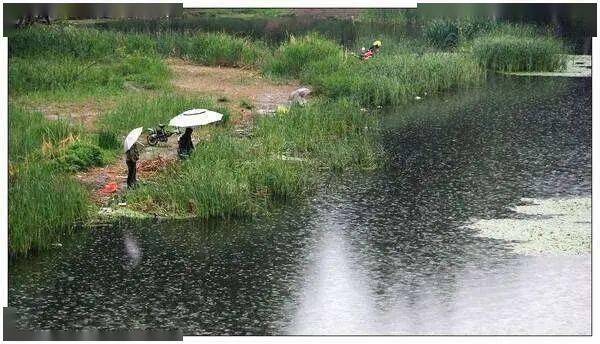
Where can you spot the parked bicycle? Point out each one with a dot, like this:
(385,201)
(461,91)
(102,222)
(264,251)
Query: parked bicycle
(159,134)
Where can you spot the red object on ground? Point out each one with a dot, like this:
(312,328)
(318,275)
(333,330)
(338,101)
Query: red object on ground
(109,188)
(367,55)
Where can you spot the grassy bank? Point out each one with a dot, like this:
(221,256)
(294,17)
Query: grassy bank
(44,199)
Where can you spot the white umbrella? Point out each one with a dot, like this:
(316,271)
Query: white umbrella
(132,137)
(194,118)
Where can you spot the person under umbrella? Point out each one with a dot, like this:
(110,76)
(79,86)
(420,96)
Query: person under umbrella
(188,120)
(186,146)
(132,155)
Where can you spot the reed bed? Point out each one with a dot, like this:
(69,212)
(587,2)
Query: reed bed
(213,49)
(387,79)
(44,204)
(510,53)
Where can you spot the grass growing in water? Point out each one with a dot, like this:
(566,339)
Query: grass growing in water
(44,204)
(519,54)
(44,199)
(396,80)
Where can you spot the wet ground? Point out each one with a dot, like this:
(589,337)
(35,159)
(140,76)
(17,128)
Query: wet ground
(387,252)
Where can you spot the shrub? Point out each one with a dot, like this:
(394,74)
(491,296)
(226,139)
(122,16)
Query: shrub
(514,53)
(80,156)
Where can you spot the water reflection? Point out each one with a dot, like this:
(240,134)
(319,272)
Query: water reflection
(133,251)
(336,297)
(386,252)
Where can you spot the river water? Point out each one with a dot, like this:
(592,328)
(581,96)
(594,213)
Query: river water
(385,252)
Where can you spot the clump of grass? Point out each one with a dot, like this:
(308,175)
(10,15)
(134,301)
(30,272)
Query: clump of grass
(220,49)
(29,129)
(386,79)
(516,53)
(108,139)
(44,201)
(295,55)
(146,71)
(60,74)
(45,41)
(443,34)
(213,49)
(223,178)
(43,205)
(334,133)
(77,42)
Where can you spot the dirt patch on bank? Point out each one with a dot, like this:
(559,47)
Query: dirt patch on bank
(231,86)
(153,160)
(83,112)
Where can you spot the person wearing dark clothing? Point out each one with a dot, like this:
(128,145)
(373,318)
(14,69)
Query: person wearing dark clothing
(185,144)
(132,156)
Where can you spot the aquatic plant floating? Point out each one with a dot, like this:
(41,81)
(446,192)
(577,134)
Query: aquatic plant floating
(195,118)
